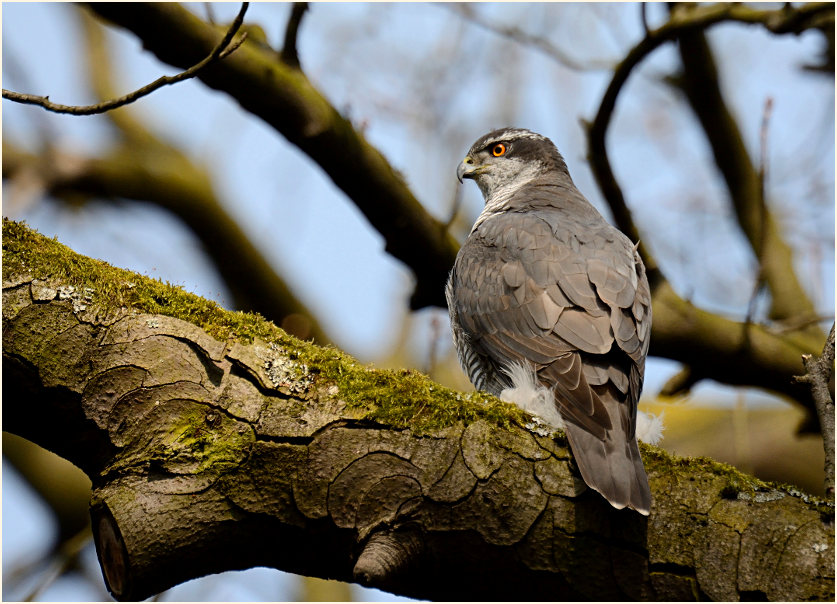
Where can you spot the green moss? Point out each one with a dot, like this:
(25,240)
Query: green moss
(735,484)
(203,442)
(408,399)
(27,251)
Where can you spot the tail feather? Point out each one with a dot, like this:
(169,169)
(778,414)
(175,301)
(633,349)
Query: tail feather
(613,467)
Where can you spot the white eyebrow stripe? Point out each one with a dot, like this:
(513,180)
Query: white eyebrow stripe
(508,135)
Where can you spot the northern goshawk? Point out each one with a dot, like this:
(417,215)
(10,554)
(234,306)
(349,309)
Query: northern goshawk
(549,300)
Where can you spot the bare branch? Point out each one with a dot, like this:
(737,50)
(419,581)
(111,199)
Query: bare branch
(644,15)
(289,53)
(222,50)
(762,230)
(820,378)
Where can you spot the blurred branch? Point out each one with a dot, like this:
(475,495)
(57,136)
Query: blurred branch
(820,378)
(63,488)
(762,207)
(730,352)
(467,12)
(285,99)
(699,82)
(680,383)
(643,14)
(754,356)
(164,176)
(63,560)
(221,50)
(289,52)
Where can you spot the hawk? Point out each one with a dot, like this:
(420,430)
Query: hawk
(549,300)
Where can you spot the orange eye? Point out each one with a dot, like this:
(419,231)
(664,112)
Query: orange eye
(498,150)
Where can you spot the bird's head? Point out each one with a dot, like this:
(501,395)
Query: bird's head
(508,158)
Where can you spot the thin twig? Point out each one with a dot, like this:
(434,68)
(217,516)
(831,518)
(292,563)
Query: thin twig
(819,377)
(796,323)
(454,210)
(289,54)
(210,14)
(518,35)
(644,15)
(219,52)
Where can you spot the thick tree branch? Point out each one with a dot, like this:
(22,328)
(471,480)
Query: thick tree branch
(283,97)
(728,351)
(221,50)
(216,442)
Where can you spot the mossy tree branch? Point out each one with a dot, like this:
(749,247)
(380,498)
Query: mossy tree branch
(215,441)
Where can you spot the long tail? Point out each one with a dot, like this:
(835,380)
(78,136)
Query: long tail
(612,466)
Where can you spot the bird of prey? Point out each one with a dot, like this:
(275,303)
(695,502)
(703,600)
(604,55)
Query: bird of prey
(544,290)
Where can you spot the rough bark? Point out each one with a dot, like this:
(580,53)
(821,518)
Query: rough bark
(215,442)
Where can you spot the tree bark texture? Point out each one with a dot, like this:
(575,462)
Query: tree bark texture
(209,454)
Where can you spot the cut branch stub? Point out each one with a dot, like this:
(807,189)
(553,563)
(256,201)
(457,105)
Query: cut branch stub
(386,555)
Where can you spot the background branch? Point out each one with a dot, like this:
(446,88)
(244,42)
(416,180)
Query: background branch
(221,50)
(775,257)
(162,175)
(672,336)
(285,99)
(289,54)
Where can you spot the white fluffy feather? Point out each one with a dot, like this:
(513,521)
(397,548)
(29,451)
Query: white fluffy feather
(649,428)
(531,396)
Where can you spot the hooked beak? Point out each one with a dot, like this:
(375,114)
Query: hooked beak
(466,169)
